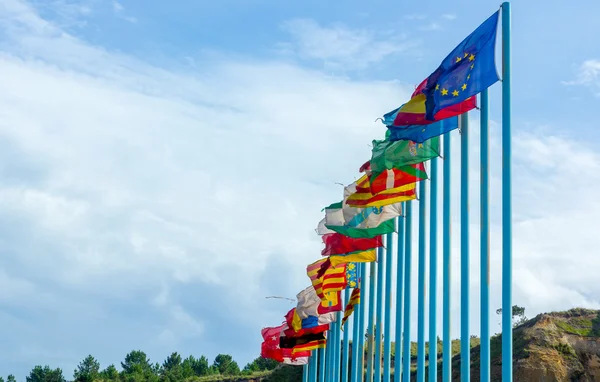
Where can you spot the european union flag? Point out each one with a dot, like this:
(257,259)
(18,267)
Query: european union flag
(421,133)
(466,71)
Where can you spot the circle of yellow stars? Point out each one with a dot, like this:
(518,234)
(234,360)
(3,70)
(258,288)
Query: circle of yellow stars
(456,92)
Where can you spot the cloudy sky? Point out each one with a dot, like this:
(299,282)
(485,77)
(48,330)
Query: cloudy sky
(163,166)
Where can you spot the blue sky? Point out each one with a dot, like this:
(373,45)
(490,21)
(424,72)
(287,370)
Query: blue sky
(164,166)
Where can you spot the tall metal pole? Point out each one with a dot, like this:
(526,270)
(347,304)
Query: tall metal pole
(484,365)
(371,321)
(379,315)
(314,365)
(507,368)
(465,341)
(406,353)
(305,373)
(433,252)
(447,344)
(346,343)
(422,289)
(329,352)
(323,363)
(387,336)
(399,299)
(361,325)
(356,330)
(337,347)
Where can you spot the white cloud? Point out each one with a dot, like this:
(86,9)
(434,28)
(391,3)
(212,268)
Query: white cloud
(433,26)
(588,74)
(342,47)
(449,16)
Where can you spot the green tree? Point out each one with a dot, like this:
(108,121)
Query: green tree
(201,366)
(1,379)
(518,315)
(136,362)
(172,369)
(225,364)
(172,362)
(11,378)
(137,367)
(110,373)
(88,370)
(45,374)
(260,364)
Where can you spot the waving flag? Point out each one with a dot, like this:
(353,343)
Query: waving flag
(332,302)
(297,327)
(331,280)
(336,244)
(354,300)
(465,72)
(363,197)
(387,155)
(391,178)
(420,134)
(353,222)
(414,111)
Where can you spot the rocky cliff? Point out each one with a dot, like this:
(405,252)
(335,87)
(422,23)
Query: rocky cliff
(551,347)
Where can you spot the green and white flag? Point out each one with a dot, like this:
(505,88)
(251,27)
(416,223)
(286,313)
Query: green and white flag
(359,222)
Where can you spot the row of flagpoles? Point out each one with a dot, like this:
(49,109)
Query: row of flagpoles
(359,231)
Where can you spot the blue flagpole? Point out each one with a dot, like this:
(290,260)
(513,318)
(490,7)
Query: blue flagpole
(305,373)
(399,299)
(387,325)
(447,344)
(356,331)
(338,346)
(314,365)
(334,359)
(465,341)
(406,354)
(433,272)
(346,343)
(422,289)
(361,322)
(372,282)
(329,352)
(379,315)
(323,363)
(507,335)
(484,365)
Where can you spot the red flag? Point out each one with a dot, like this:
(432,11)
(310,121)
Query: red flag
(270,346)
(336,244)
(271,349)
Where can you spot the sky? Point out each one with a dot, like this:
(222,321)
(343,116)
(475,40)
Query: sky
(163,166)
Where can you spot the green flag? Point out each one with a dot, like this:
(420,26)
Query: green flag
(388,155)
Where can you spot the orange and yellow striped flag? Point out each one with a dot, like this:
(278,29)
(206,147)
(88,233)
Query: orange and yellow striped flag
(354,300)
(360,195)
(332,280)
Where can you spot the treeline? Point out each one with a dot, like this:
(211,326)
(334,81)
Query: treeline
(137,368)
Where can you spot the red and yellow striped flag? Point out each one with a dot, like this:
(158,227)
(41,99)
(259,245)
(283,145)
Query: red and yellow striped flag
(362,196)
(354,300)
(332,280)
